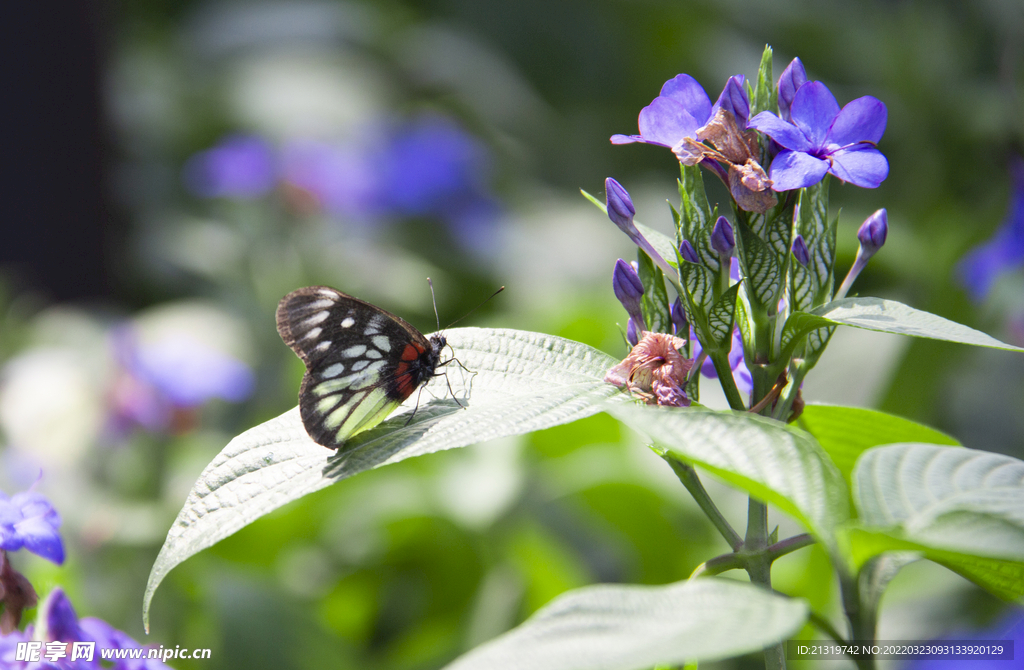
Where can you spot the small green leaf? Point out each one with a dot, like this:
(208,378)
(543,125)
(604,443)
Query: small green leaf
(617,627)
(760,269)
(520,382)
(696,216)
(847,432)
(720,318)
(654,303)
(811,286)
(765,95)
(770,460)
(885,316)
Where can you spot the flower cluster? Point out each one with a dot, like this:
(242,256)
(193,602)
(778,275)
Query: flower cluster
(737,282)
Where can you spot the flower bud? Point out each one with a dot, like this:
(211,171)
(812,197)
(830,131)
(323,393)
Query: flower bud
(620,206)
(793,77)
(734,98)
(873,232)
(629,290)
(800,251)
(723,240)
(632,333)
(679,322)
(688,253)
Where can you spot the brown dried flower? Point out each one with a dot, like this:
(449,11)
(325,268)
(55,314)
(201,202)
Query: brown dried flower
(655,371)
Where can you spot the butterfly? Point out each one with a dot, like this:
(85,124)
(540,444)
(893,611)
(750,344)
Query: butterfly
(361,361)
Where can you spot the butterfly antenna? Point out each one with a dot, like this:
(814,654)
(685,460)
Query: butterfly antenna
(434,300)
(500,289)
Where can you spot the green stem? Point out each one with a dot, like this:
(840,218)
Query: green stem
(862,628)
(789,545)
(688,476)
(732,394)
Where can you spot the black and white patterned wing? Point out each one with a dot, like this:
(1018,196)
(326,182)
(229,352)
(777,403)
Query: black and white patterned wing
(361,361)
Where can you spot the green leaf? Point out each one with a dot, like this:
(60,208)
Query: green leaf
(617,627)
(811,286)
(885,316)
(773,462)
(654,303)
(699,287)
(765,95)
(720,318)
(847,432)
(954,499)
(760,269)
(696,216)
(520,382)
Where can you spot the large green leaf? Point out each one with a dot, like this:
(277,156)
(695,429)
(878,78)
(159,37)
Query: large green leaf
(885,316)
(774,462)
(614,627)
(519,382)
(847,432)
(959,507)
(953,499)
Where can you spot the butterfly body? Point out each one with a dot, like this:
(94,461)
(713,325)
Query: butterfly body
(361,361)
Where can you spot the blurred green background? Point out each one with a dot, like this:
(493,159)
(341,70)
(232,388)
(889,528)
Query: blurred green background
(174,168)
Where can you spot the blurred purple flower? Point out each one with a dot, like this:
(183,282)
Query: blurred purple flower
(820,138)
(240,166)
(340,178)
(58,622)
(172,374)
(29,521)
(1004,251)
(740,372)
(800,251)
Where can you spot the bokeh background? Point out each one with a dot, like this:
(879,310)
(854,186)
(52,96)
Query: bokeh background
(172,168)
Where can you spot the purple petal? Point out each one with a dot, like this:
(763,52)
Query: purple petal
(861,165)
(41,539)
(61,620)
(626,139)
(666,121)
(786,134)
(813,111)
(794,169)
(793,77)
(862,120)
(685,90)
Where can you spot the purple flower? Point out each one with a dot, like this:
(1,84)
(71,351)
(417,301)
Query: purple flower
(632,332)
(682,108)
(629,290)
(680,326)
(723,239)
(28,520)
(800,251)
(979,269)
(240,166)
(793,77)
(821,138)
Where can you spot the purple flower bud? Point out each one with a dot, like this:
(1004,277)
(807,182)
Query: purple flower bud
(628,289)
(734,98)
(800,251)
(60,618)
(632,333)
(679,322)
(620,206)
(688,253)
(873,231)
(28,520)
(722,238)
(793,77)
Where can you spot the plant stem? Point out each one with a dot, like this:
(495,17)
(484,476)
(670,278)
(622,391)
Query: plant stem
(688,476)
(789,545)
(759,567)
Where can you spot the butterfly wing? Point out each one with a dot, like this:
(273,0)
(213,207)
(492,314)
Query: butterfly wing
(361,361)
